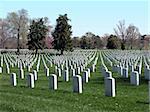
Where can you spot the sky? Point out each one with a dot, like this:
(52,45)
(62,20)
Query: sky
(98,16)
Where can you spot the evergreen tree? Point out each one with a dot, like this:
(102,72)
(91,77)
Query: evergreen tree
(36,37)
(62,34)
(83,42)
(112,42)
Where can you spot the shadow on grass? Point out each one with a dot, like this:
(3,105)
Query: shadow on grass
(98,80)
(143,102)
(23,86)
(63,91)
(122,80)
(143,81)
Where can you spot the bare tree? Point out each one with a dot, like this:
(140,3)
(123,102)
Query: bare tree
(5,32)
(19,25)
(132,34)
(120,31)
(104,39)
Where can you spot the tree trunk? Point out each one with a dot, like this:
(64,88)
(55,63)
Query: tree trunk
(62,51)
(18,44)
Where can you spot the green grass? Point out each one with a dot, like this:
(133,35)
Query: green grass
(40,99)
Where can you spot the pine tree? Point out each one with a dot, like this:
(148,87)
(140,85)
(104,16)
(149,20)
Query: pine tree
(36,37)
(112,42)
(62,34)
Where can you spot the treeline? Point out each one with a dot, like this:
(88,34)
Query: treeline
(88,41)
(123,38)
(110,42)
(22,32)
(17,30)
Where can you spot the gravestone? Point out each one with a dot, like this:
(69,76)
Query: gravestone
(93,68)
(114,68)
(89,72)
(13,79)
(85,77)
(37,68)
(120,70)
(56,69)
(35,75)
(147,74)
(104,70)
(47,71)
(21,73)
(125,73)
(71,67)
(78,70)
(108,74)
(110,87)
(139,69)
(1,70)
(29,68)
(30,80)
(134,78)
(59,72)
(73,72)
(8,69)
(53,82)
(77,84)
(81,68)
(66,75)
(132,68)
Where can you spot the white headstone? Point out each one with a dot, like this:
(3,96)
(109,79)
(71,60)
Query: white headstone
(51,64)
(73,72)
(139,69)
(35,75)
(110,87)
(89,72)
(147,74)
(132,68)
(93,68)
(71,67)
(114,68)
(66,75)
(120,70)
(13,79)
(62,66)
(47,71)
(56,69)
(108,74)
(59,72)
(77,84)
(29,68)
(21,73)
(85,77)
(134,78)
(81,68)
(0,69)
(53,82)
(8,69)
(30,80)
(78,70)
(125,72)
(37,68)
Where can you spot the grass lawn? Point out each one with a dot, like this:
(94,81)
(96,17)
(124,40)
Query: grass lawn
(40,99)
